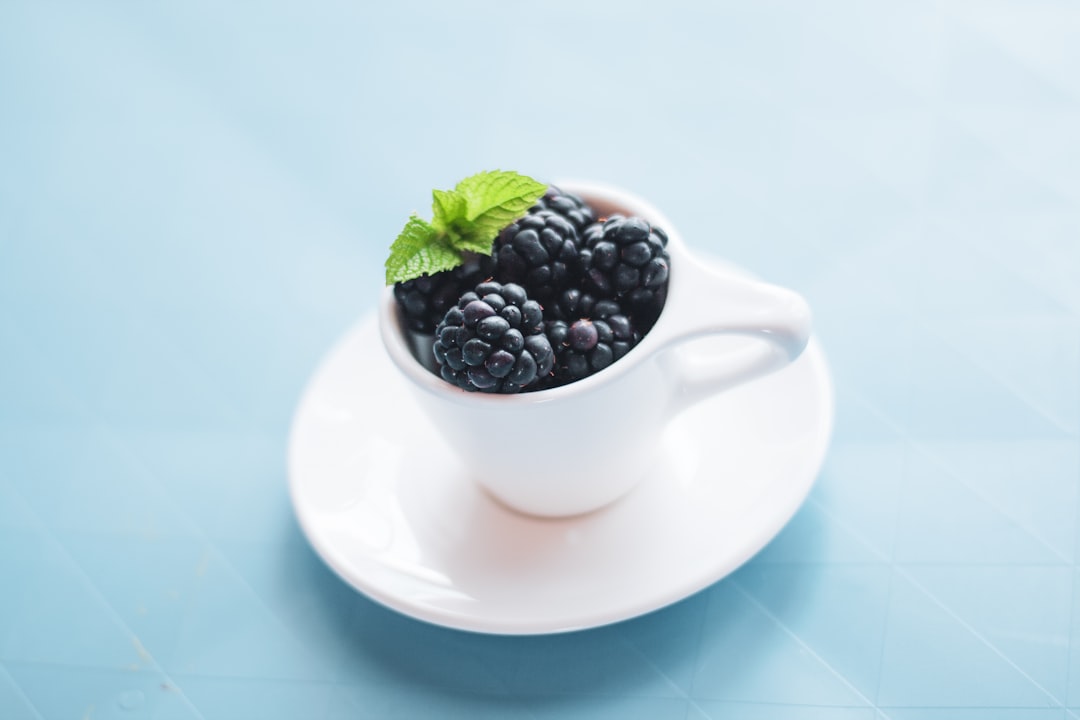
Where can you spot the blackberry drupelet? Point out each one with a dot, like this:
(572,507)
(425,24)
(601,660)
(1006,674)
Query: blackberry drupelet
(425,299)
(539,251)
(600,334)
(570,206)
(627,259)
(493,340)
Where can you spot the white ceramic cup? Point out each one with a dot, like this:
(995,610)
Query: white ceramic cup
(576,448)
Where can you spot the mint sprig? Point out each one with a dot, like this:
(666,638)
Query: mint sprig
(465,219)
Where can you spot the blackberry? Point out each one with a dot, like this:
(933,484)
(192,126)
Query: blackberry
(627,259)
(570,206)
(539,251)
(426,299)
(592,341)
(493,340)
(572,304)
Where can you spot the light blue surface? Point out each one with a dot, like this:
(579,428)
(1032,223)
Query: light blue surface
(196,199)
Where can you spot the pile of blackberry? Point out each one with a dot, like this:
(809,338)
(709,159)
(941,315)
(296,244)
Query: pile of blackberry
(563,295)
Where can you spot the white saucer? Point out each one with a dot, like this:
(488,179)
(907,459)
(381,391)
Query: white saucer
(387,506)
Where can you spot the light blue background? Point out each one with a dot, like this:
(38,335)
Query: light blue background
(196,199)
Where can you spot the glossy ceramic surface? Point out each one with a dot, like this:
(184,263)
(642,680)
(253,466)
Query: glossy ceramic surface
(392,511)
(500,439)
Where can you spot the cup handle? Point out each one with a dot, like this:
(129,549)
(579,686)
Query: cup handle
(708,301)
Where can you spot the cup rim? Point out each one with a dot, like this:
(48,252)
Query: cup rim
(393,333)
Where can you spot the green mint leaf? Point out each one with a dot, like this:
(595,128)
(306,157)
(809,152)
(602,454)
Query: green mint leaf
(493,200)
(466,218)
(420,249)
(448,209)
(480,241)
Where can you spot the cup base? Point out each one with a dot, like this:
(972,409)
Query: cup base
(557,514)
